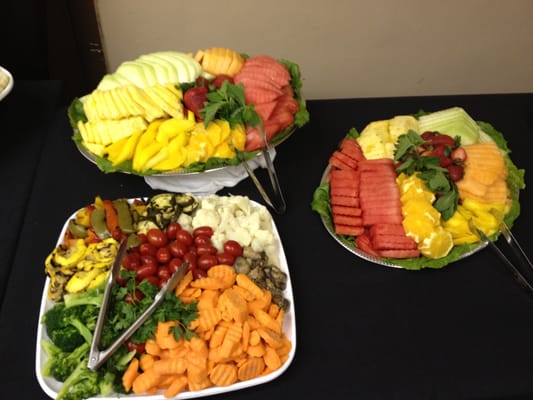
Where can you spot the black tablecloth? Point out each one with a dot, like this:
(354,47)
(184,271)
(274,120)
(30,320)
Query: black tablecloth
(363,331)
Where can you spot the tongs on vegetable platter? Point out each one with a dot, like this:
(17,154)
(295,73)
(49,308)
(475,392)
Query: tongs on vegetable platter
(278,204)
(96,356)
(524,263)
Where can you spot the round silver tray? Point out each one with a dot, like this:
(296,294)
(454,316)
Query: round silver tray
(387,262)
(283,135)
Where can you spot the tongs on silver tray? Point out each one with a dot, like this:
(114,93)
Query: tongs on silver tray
(96,356)
(524,263)
(278,205)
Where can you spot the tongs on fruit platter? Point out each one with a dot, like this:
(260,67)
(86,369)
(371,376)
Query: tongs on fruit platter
(279,204)
(96,356)
(524,263)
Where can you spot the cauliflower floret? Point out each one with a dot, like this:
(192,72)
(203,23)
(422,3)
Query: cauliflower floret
(185,220)
(206,217)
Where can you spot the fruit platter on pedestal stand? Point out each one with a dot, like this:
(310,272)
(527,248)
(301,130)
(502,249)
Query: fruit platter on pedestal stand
(190,123)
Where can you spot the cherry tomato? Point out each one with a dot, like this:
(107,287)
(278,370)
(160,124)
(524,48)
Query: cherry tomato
(156,237)
(138,347)
(194,99)
(225,258)
(206,261)
(203,230)
(163,273)
(178,249)
(202,240)
(152,279)
(204,249)
(147,249)
(233,247)
(174,264)
(134,297)
(146,270)
(121,280)
(131,261)
(172,228)
(184,236)
(163,255)
(148,259)
(198,273)
(191,258)
(142,237)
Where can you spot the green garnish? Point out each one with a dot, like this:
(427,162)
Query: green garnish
(429,170)
(228,103)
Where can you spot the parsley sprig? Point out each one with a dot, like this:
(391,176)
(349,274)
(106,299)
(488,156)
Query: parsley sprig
(121,314)
(411,160)
(228,103)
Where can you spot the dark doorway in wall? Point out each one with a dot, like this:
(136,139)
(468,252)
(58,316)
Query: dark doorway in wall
(53,39)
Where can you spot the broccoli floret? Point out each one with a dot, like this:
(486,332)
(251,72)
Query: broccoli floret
(106,384)
(81,384)
(69,327)
(60,363)
(91,296)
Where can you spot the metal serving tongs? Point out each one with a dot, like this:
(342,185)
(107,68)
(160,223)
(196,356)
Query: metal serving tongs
(279,204)
(513,243)
(96,356)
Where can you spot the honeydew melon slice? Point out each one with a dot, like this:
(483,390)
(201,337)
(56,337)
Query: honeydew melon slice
(133,72)
(165,69)
(149,72)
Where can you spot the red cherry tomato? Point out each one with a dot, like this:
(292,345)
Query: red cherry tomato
(163,255)
(194,99)
(172,228)
(131,261)
(225,258)
(156,237)
(203,230)
(134,297)
(178,249)
(148,259)
(206,261)
(184,236)
(142,237)
(174,264)
(137,347)
(233,247)
(146,270)
(206,249)
(147,249)
(191,258)
(198,273)
(202,240)
(152,279)
(163,273)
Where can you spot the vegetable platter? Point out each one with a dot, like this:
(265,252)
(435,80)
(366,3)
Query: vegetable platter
(175,113)
(228,325)
(405,191)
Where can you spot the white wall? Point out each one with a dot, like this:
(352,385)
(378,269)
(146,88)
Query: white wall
(345,48)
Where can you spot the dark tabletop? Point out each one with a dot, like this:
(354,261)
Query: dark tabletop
(363,331)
